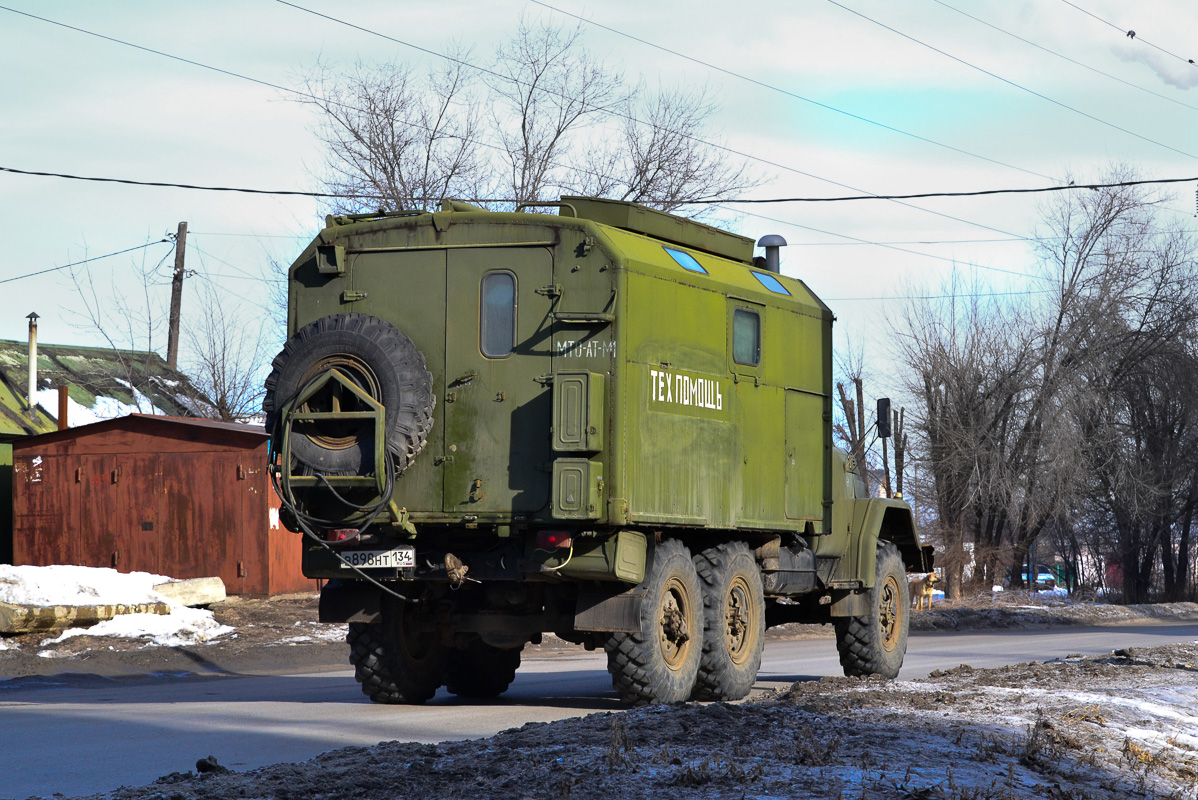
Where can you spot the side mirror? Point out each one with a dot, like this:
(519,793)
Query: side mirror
(883,417)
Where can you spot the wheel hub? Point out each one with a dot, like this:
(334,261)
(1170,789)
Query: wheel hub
(889,613)
(675,633)
(736,620)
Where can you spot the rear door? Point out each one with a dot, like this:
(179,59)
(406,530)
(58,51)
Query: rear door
(498,344)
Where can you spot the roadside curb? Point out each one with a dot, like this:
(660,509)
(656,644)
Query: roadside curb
(17,619)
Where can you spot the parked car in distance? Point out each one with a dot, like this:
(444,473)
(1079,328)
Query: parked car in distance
(1045,577)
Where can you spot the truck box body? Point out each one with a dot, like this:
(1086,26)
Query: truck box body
(620,397)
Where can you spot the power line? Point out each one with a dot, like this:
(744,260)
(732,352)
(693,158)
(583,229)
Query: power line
(935,296)
(1010,82)
(424,50)
(1129,33)
(165,184)
(979,193)
(787,92)
(952,261)
(1061,56)
(84,261)
(737,201)
(629,117)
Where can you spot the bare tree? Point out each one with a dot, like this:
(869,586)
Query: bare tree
(229,353)
(547,86)
(660,158)
(1036,413)
(561,121)
(398,138)
(124,321)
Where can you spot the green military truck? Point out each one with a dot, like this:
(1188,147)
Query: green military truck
(610,423)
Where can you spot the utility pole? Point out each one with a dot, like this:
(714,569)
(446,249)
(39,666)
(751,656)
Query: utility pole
(172,331)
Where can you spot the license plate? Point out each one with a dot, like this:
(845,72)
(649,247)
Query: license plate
(370,559)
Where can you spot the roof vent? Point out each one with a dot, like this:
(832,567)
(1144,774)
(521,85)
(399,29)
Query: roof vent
(771,243)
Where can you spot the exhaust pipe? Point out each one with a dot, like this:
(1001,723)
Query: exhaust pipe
(771,243)
(32,366)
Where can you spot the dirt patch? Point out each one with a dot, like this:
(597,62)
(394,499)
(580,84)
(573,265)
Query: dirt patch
(1112,727)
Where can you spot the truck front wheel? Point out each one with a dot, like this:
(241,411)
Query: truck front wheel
(876,643)
(395,661)
(733,622)
(659,663)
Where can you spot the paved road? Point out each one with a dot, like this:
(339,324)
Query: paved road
(81,735)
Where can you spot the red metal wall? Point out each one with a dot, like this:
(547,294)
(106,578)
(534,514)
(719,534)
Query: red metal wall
(176,497)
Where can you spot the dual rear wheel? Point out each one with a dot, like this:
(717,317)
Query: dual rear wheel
(702,628)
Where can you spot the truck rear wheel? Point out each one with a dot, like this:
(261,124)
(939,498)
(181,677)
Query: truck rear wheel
(733,622)
(395,661)
(659,663)
(875,644)
(480,671)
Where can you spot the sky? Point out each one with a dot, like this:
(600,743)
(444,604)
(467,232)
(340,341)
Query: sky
(829,98)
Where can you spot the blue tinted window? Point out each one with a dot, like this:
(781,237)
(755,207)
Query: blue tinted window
(497,320)
(771,283)
(686,260)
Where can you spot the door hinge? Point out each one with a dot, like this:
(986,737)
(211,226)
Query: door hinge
(439,460)
(544,380)
(350,295)
(552,290)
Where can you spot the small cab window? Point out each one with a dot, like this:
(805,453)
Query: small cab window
(771,283)
(746,337)
(686,260)
(497,318)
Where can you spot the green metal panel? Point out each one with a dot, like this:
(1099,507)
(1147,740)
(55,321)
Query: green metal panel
(408,290)
(577,488)
(804,457)
(579,421)
(659,224)
(496,411)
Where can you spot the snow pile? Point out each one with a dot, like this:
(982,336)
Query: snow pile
(90,586)
(183,626)
(65,585)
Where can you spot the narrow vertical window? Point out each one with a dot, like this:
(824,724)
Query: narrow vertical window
(746,337)
(497,318)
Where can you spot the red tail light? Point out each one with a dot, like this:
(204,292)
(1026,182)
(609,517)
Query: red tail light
(342,536)
(552,540)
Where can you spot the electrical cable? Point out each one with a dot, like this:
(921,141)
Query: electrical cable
(1129,33)
(479,142)
(787,92)
(84,261)
(1010,82)
(630,118)
(1058,55)
(734,200)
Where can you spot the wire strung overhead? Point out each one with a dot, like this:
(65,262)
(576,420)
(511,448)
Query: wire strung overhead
(736,201)
(84,261)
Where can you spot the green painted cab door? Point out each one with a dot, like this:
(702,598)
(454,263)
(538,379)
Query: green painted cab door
(498,344)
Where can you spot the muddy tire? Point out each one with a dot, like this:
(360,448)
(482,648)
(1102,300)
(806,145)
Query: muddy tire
(733,622)
(875,644)
(393,660)
(378,359)
(659,663)
(480,671)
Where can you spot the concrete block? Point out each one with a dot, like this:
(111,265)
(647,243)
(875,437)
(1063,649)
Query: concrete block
(16,619)
(193,591)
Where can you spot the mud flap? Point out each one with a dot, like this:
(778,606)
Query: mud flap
(349,601)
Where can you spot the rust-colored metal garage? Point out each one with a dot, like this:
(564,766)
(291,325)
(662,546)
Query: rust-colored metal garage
(175,496)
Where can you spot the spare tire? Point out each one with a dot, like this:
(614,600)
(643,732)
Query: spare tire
(381,361)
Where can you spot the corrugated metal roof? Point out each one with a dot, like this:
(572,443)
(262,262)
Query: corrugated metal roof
(90,373)
(147,423)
